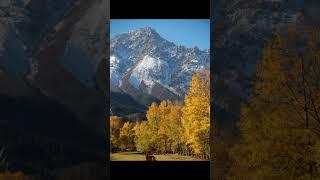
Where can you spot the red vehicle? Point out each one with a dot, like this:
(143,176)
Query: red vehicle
(150,157)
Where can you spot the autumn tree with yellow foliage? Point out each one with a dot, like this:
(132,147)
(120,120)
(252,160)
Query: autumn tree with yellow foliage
(174,130)
(115,125)
(127,135)
(280,124)
(143,139)
(162,132)
(196,114)
(171,127)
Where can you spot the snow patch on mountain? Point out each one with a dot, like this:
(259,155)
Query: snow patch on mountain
(150,70)
(142,59)
(86,46)
(114,74)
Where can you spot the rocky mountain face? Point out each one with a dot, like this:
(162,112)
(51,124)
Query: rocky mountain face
(142,62)
(240,30)
(53,55)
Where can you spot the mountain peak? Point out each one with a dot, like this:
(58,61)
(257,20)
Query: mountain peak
(143,61)
(149,29)
(146,31)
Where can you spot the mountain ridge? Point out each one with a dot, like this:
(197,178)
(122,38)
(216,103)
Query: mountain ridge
(142,60)
(52,75)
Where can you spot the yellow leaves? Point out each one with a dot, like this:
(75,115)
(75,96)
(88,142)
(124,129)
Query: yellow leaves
(115,125)
(127,134)
(115,122)
(163,127)
(196,112)
(153,116)
(200,84)
(280,125)
(14,176)
(121,134)
(171,127)
(144,137)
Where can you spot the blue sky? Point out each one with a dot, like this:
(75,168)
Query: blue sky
(185,32)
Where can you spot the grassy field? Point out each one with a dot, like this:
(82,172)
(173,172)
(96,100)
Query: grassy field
(136,156)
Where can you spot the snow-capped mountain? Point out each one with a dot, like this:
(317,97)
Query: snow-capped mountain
(52,78)
(141,60)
